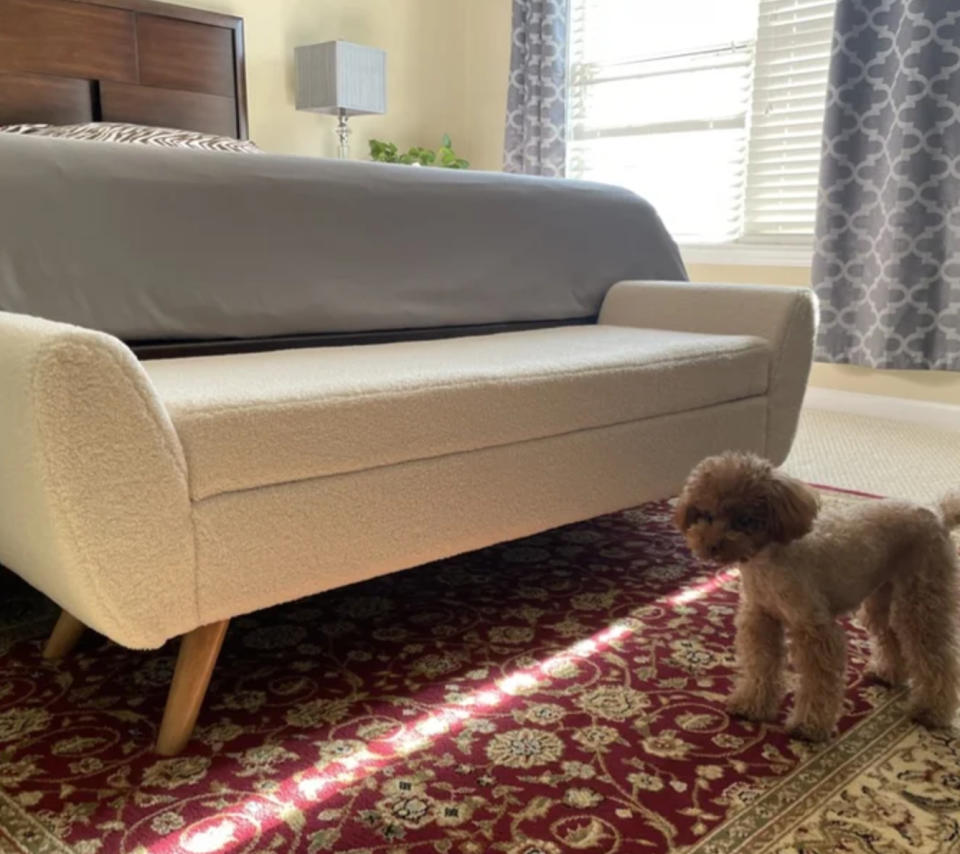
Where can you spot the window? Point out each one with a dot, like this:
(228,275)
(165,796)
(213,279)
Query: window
(710,109)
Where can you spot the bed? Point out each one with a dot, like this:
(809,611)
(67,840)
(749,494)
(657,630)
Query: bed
(138,61)
(358,252)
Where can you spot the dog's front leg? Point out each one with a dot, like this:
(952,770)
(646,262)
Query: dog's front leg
(819,652)
(760,653)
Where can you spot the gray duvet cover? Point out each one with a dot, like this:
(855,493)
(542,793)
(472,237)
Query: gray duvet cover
(154,244)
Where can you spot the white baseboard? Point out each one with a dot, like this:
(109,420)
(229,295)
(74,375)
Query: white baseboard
(943,415)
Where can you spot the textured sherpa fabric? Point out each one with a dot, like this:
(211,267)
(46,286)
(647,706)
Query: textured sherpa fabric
(265,546)
(258,419)
(94,507)
(786,317)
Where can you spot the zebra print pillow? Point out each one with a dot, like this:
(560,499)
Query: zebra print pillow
(24,128)
(140,134)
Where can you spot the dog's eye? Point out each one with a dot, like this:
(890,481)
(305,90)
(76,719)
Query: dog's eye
(695,515)
(743,523)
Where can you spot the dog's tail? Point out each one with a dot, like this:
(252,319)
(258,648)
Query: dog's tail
(950,509)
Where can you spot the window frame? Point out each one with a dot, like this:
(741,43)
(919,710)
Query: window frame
(747,249)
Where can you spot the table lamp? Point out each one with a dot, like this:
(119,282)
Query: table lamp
(343,79)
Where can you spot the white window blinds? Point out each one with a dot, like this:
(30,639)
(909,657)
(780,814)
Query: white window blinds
(789,94)
(711,109)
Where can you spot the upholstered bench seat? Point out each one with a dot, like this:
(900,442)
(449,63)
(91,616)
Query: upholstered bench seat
(259,419)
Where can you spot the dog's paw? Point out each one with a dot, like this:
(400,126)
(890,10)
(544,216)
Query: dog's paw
(881,672)
(933,718)
(809,730)
(753,708)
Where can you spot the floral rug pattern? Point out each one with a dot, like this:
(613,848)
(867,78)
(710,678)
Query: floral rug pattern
(559,694)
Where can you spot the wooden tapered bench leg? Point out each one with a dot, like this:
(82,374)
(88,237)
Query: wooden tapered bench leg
(198,654)
(64,636)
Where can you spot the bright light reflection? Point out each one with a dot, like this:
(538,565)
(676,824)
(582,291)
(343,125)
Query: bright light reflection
(692,594)
(309,788)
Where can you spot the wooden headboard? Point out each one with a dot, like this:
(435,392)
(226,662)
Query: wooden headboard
(138,61)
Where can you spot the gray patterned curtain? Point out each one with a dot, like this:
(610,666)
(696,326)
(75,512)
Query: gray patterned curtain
(537,98)
(887,262)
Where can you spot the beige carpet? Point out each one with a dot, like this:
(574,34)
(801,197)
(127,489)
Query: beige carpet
(892,458)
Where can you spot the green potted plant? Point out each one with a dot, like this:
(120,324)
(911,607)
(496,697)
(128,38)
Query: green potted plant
(444,157)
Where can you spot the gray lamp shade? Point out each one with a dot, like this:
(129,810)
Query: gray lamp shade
(336,76)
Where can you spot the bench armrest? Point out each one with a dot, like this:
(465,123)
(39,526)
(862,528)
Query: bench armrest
(94,508)
(785,317)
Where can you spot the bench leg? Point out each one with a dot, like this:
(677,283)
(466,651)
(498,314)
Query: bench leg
(198,654)
(64,636)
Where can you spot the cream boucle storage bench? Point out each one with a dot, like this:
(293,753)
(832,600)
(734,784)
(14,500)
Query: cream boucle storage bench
(152,499)
(157,499)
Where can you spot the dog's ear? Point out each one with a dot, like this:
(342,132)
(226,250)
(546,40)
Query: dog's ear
(792,508)
(684,514)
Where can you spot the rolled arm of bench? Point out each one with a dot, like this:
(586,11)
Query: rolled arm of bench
(783,316)
(94,508)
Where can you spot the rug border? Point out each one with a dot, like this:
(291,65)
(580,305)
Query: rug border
(839,763)
(14,820)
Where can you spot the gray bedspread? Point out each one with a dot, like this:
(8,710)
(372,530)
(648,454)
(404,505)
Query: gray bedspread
(167,244)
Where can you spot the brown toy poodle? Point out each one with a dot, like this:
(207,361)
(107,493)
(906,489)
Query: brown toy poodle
(800,569)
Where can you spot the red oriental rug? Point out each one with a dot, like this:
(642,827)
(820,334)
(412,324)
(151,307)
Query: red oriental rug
(559,694)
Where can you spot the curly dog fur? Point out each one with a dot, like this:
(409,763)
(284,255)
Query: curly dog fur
(801,568)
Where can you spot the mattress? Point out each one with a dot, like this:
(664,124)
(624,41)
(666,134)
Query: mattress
(156,244)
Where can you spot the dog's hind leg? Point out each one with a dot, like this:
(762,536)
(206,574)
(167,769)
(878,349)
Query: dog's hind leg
(886,661)
(760,658)
(924,615)
(819,653)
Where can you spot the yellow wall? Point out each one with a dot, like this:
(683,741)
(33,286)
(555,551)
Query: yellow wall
(937,386)
(447,66)
(487,71)
(426,42)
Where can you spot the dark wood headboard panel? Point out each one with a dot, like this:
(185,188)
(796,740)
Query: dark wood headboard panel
(140,61)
